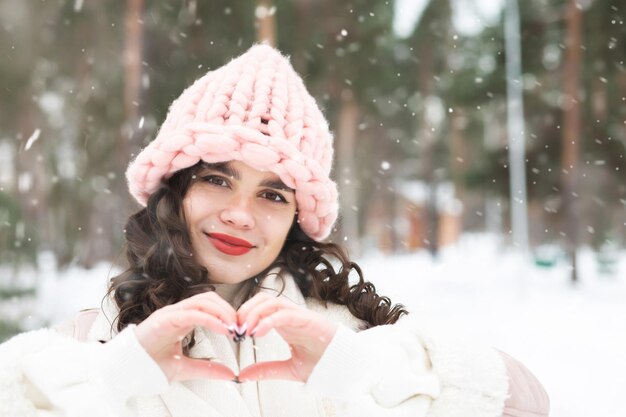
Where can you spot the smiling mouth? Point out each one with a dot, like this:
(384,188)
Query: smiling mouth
(229,245)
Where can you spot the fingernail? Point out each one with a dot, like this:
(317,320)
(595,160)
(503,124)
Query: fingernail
(240,333)
(253,331)
(232,328)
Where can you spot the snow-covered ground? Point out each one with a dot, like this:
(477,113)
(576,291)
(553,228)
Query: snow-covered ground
(573,339)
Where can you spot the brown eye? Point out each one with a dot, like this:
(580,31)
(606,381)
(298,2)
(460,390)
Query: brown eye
(216,180)
(274,197)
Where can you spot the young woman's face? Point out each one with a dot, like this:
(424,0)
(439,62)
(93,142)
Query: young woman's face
(238,219)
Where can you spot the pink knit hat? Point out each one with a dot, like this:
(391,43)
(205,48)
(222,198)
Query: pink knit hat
(255,109)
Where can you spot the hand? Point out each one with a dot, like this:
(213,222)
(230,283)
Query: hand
(307,333)
(162,332)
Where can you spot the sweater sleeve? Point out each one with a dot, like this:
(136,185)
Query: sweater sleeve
(405,370)
(43,373)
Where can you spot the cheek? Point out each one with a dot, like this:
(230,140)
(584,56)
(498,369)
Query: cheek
(277,226)
(188,204)
(196,206)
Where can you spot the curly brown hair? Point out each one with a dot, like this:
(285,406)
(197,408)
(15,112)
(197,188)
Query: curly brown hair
(162,269)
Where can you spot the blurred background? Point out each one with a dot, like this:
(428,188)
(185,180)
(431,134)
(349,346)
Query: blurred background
(479,153)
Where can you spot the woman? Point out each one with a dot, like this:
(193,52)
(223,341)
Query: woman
(231,305)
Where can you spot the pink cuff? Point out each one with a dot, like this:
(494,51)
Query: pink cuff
(527,397)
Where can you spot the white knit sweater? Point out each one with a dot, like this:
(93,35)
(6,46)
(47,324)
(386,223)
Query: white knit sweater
(399,370)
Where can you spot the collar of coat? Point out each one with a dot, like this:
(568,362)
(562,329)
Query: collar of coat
(210,398)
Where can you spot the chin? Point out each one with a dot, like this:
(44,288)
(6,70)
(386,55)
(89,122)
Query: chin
(233,277)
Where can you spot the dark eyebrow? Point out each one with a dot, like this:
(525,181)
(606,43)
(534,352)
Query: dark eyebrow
(224,168)
(276,184)
(227,169)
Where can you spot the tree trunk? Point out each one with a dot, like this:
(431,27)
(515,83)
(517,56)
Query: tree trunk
(571,130)
(427,141)
(458,153)
(347,132)
(30,178)
(302,13)
(105,209)
(266,22)
(133,42)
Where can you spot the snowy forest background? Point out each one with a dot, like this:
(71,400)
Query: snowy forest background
(416,93)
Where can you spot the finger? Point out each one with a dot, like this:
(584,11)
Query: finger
(209,305)
(193,368)
(214,296)
(164,328)
(255,300)
(252,316)
(245,308)
(208,296)
(183,321)
(294,318)
(284,370)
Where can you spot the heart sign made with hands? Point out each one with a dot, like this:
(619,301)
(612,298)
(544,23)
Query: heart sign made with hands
(306,332)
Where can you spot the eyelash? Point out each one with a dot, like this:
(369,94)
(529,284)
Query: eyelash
(211,179)
(281,199)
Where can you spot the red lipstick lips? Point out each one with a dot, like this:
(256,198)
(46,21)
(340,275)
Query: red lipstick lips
(230,245)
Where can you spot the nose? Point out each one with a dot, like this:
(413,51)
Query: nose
(238,213)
